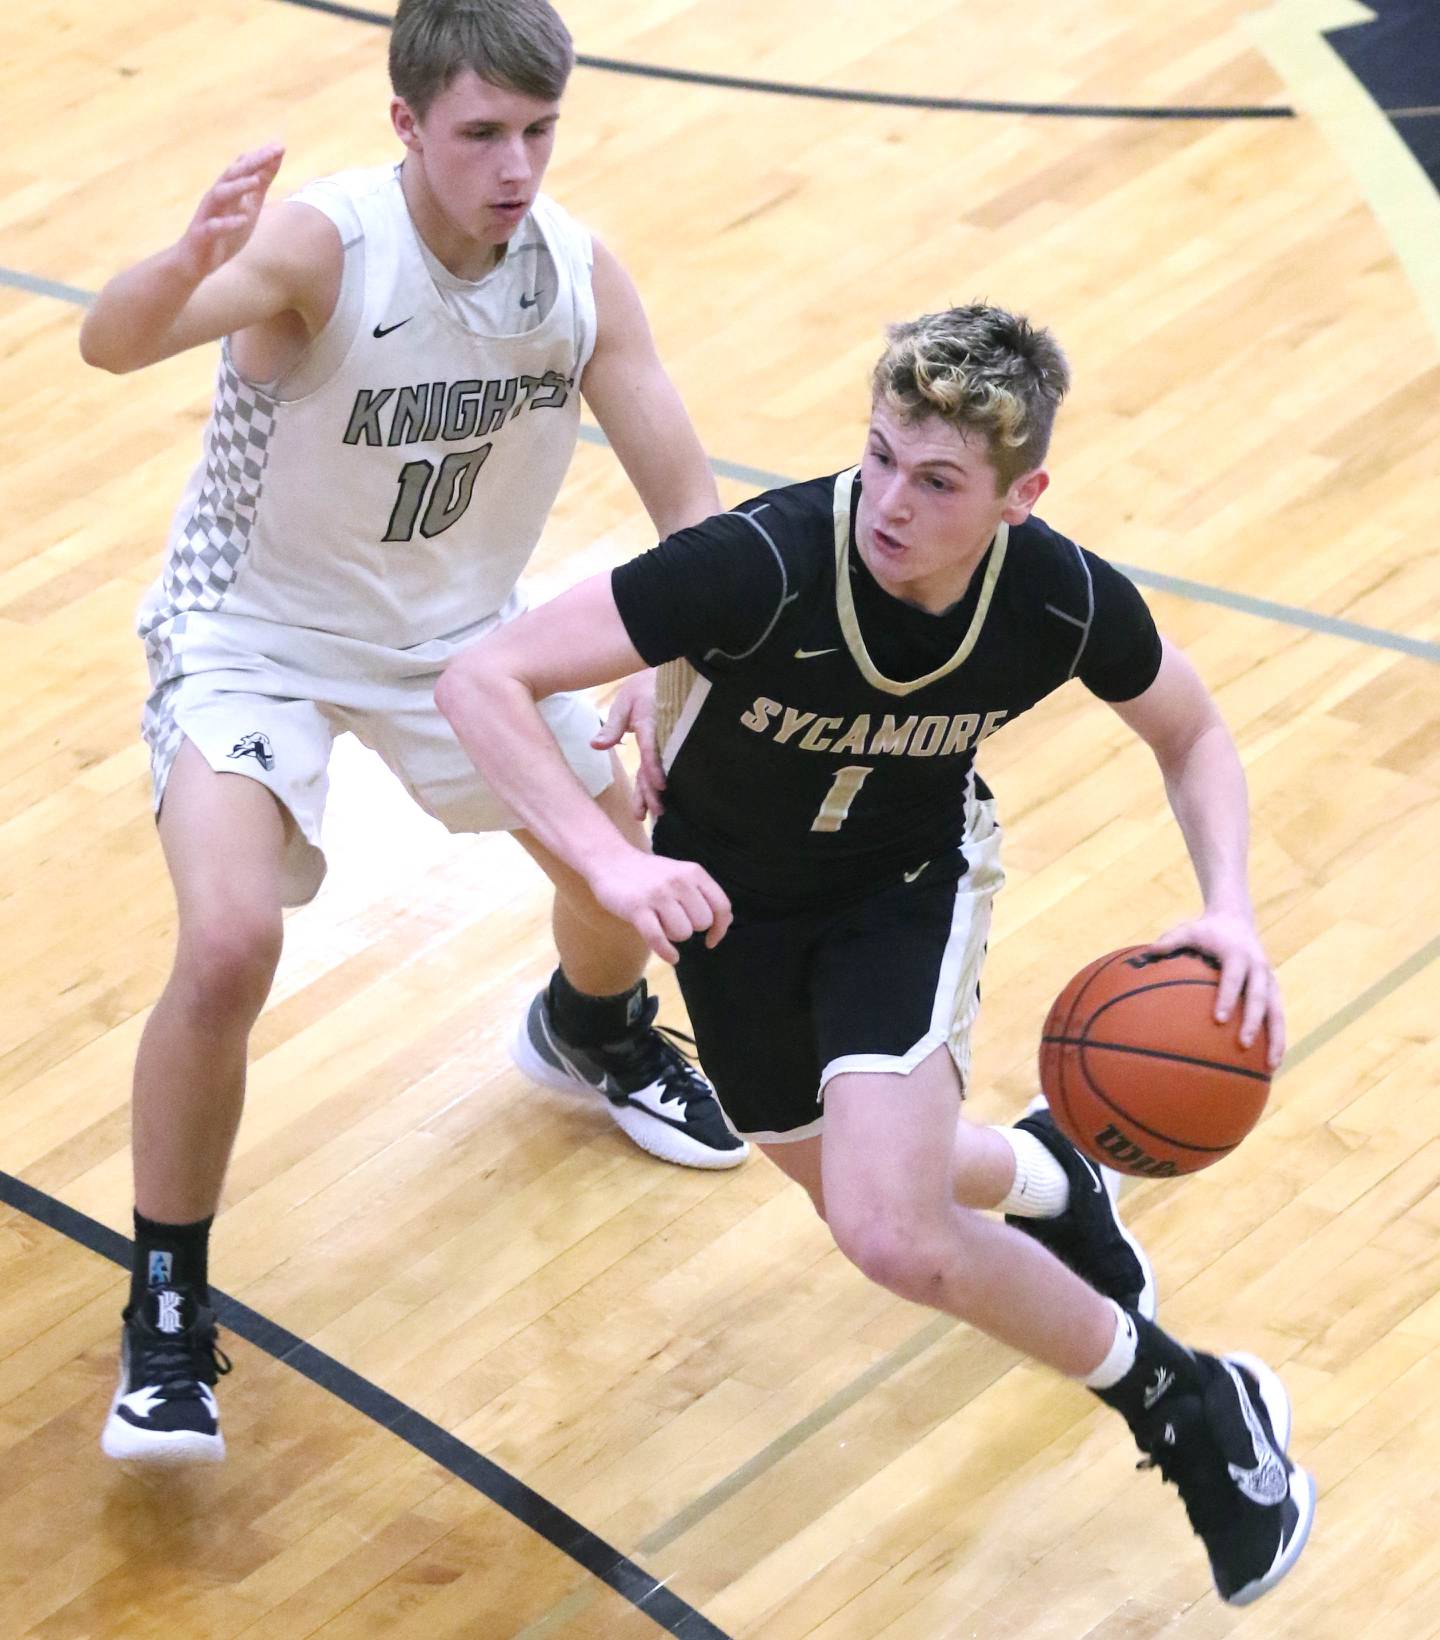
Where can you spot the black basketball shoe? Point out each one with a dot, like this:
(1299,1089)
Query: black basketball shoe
(650,1088)
(1088,1236)
(1221,1438)
(164,1410)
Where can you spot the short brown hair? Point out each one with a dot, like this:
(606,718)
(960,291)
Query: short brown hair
(521,45)
(978,367)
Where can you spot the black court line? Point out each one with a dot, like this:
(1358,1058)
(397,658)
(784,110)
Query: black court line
(883,99)
(527,1506)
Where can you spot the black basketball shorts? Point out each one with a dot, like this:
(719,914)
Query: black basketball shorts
(783,1004)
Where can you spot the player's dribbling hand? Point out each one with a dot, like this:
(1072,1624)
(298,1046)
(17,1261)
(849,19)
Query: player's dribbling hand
(633,712)
(666,901)
(1245,971)
(226,217)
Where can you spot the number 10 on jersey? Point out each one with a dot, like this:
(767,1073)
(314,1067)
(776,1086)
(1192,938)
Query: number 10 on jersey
(449,495)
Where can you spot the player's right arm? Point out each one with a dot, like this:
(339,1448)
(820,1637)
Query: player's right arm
(489,694)
(234,267)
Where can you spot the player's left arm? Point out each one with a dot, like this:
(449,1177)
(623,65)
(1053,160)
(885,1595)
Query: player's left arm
(1205,782)
(642,416)
(639,409)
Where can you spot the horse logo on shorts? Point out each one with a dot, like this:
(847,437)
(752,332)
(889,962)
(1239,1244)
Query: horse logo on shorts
(256,746)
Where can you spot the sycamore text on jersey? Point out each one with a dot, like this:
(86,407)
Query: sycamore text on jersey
(941,734)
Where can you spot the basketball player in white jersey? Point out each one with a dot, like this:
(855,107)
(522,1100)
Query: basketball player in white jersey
(403,352)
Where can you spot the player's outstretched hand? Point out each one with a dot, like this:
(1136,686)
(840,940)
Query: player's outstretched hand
(1245,971)
(633,712)
(665,900)
(226,217)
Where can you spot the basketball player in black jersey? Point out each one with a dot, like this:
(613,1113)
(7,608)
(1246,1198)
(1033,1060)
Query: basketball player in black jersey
(827,855)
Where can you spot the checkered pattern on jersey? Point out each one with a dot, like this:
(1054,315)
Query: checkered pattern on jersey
(160,636)
(162,735)
(212,542)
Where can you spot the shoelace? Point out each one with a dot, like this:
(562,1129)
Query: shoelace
(1183,1465)
(660,1055)
(177,1367)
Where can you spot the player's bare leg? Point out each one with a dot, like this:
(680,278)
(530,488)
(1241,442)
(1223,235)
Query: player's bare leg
(889,1181)
(1217,1427)
(223,837)
(593,1027)
(1026,1172)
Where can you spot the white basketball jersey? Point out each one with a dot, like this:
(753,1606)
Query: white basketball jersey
(390,489)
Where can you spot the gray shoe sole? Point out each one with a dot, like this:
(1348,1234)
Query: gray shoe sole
(654,1137)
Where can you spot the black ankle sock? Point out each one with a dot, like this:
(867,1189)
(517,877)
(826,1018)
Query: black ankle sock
(170,1255)
(1162,1367)
(587,1022)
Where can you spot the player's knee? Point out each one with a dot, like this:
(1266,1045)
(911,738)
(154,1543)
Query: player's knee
(895,1248)
(226,962)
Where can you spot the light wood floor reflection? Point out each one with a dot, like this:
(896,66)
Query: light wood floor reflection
(681,1361)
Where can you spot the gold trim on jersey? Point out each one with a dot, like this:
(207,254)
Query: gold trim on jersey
(678,699)
(845,599)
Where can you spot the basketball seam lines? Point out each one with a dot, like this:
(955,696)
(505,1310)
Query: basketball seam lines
(1159,1053)
(1115,956)
(1099,1094)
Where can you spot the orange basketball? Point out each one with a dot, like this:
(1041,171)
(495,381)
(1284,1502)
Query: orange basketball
(1138,1073)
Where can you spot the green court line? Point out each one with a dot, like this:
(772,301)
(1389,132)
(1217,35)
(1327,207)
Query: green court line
(811,1424)
(784,1444)
(1372,998)
(938,1327)
(45,287)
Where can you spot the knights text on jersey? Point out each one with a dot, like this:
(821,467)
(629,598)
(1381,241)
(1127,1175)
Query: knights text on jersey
(827,746)
(395,500)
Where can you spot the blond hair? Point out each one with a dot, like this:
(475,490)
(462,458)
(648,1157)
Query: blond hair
(982,369)
(520,45)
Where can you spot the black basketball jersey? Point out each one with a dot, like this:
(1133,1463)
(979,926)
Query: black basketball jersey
(827,746)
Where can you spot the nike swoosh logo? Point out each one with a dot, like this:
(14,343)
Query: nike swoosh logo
(1267,1480)
(1094,1172)
(384,330)
(810,654)
(910,876)
(529,301)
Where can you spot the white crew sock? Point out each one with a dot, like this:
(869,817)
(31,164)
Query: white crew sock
(1041,1189)
(1122,1353)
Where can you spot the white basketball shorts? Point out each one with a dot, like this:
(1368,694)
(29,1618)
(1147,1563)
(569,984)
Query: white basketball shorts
(275,719)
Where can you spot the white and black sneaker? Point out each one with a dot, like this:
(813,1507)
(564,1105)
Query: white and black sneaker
(1222,1440)
(650,1088)
(164,1411)
(1089,1236)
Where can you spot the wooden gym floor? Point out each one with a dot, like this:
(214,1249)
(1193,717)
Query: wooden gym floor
(497,1375)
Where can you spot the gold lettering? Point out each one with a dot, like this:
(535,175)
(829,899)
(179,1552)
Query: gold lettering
(794,722)
(818,727)
(854,738)
(963,729)
(759,715)
(891,736)
(928,736)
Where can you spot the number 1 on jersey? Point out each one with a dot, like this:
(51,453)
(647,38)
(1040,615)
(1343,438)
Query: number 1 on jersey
(839,798)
